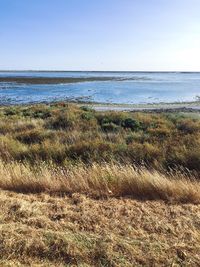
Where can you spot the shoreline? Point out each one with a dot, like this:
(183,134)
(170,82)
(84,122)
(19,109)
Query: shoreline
(160,107)
(190,107)
(193,106)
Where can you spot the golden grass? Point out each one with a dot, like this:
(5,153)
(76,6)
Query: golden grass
(44,230)
(99,180)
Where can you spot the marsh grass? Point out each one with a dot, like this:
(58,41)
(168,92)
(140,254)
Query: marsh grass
(63,132)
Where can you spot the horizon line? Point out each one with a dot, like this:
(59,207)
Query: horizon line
(43,70)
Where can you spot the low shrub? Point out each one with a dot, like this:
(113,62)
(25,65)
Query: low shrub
(90,151)
(131,124)
(110,117)
(86,108)
(188,126)
(87,116)
(11,111)
(110,127)
(42,114)
(32,136)
(11,149)
(63,121)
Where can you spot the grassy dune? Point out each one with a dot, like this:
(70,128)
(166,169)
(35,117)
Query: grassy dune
(85,188)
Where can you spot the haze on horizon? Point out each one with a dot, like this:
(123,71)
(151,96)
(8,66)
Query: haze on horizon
(122,35)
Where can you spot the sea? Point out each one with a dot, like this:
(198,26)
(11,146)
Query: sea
(124,88)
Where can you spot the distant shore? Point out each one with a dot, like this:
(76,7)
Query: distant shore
(53,80)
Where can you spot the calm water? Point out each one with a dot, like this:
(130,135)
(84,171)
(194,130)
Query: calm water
(135,87)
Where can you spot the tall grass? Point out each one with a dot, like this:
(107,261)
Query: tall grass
(99,180)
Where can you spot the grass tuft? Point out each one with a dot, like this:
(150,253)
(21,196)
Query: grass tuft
(100,180)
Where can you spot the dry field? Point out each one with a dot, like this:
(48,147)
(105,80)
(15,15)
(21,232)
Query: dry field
(46,230)
(103,215)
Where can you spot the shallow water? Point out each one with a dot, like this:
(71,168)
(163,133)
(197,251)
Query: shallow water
(127,88)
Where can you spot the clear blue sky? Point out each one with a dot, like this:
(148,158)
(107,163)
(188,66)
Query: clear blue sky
(100,34)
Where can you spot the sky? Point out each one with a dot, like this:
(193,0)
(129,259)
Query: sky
(124,35)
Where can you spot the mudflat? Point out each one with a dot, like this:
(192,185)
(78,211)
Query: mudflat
(53,80)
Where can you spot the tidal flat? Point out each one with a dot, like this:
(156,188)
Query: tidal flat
(121,88)
(52,80)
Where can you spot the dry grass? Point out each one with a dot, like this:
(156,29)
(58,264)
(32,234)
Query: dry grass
(44,230)
(99,181)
